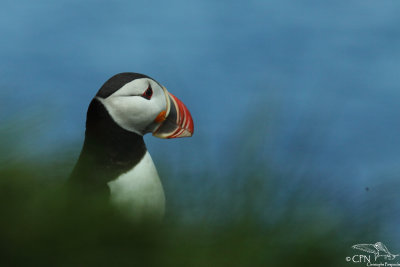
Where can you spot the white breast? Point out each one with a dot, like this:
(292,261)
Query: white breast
(139,191)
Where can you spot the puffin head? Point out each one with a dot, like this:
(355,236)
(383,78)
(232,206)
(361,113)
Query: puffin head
(139,104)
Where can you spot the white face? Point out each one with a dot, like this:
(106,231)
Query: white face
(130,108)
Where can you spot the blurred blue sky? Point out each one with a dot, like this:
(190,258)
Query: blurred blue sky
(307,88)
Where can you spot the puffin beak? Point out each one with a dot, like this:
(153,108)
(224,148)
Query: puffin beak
(176,121)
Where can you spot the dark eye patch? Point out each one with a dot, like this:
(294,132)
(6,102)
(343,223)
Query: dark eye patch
(148,93)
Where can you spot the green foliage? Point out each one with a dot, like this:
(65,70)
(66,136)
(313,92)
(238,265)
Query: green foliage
(42,224)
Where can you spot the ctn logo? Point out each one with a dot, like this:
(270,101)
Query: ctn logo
(378,249)
(359,259)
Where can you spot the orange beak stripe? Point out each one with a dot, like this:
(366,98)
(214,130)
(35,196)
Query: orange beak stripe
(184,119)
(175,121)
(161,116)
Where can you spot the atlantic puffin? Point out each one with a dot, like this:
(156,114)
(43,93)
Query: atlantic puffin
(114,159)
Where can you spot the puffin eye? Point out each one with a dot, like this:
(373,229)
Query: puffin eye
(148,93)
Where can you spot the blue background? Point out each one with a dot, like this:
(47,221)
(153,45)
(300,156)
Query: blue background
(305,92)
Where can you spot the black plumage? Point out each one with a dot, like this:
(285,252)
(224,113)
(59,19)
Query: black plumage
(108,150)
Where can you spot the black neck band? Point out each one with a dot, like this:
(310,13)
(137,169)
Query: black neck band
(108,150)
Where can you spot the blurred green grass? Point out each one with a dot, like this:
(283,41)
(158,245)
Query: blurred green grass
(243,223)
(41,226)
